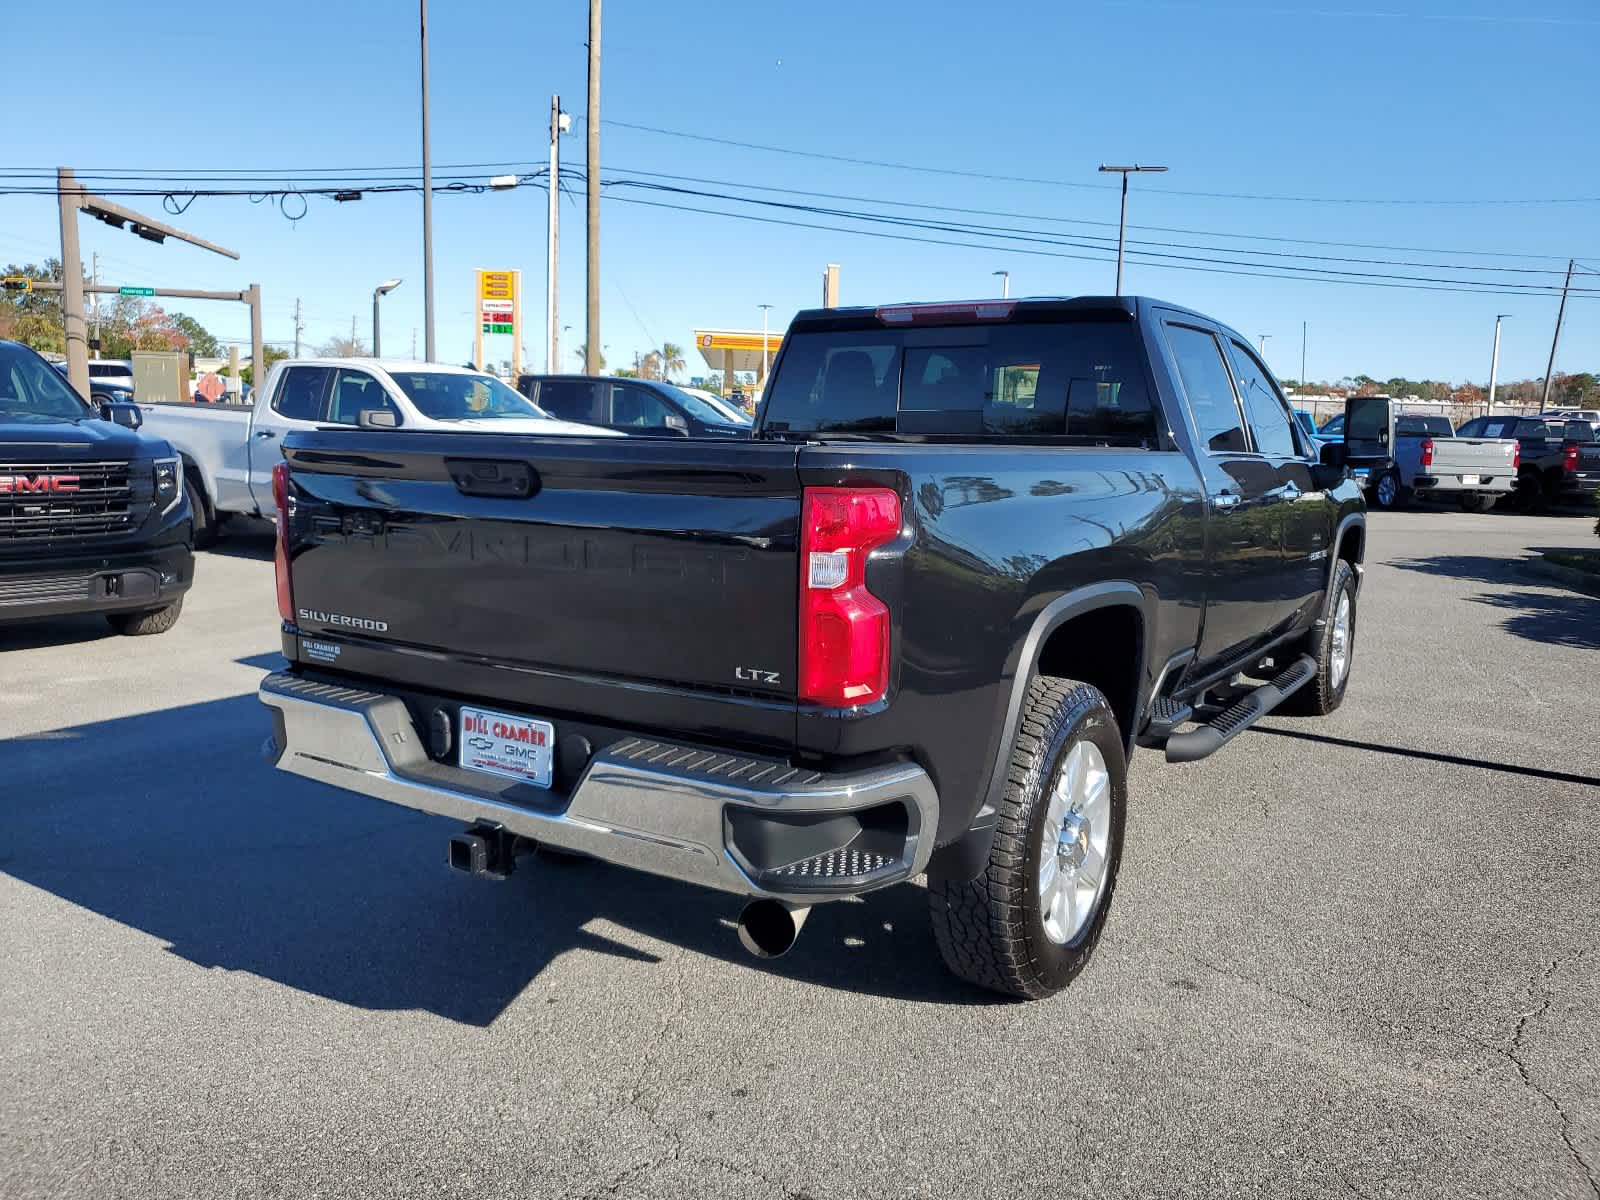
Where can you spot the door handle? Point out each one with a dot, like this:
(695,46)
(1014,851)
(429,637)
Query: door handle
(1225,500)
(265,433)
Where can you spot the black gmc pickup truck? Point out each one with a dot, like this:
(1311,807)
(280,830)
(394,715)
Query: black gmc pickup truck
(974,554)
(93,515)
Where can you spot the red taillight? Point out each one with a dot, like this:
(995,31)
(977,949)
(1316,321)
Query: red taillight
(1569,458)
(1427,452)
(1516,455)
(946,314)
(280,558)
(844,628)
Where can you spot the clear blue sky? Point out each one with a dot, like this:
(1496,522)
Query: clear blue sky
(1414,100)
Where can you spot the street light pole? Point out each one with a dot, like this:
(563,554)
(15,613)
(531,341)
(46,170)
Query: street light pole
(382,290)
(427,198)
(765,353)
(1122,223)
(1261,344)
(1494,358)
(552,256)
(1005,283)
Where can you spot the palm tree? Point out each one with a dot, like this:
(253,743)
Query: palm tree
(583,353)
(671,359)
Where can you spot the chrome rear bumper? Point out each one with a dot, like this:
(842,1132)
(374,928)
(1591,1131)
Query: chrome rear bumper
(740,824)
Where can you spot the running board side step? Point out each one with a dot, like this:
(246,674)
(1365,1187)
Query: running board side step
(1207,739)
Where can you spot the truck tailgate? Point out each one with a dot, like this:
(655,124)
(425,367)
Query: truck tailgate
(1472,456)
(618,566)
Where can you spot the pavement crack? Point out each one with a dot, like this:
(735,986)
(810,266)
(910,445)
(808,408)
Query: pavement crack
(1512,1052)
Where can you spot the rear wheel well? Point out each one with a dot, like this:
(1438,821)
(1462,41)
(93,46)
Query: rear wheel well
(1103,647)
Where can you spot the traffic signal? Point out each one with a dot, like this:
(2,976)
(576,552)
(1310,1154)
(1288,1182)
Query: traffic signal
(16,283)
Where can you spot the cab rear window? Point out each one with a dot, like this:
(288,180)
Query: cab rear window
(1082,380)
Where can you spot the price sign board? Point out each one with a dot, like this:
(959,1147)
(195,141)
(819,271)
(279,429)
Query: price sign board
(498,298)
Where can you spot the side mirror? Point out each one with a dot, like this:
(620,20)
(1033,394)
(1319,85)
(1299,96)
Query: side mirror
(378,418)
(1332,466)
(677,424)
(1334,454)
(121,412)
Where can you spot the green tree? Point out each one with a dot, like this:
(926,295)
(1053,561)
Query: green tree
(201,343)
(671,359)
(34,318)
(582,353)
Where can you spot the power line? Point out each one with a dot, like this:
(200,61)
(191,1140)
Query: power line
(996,178)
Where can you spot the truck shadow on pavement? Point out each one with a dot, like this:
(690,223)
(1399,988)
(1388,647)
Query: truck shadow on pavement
(55,631)
(1537,609)
(189,836)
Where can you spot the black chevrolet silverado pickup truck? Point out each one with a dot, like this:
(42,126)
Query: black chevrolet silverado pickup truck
(973,556)
(93,515)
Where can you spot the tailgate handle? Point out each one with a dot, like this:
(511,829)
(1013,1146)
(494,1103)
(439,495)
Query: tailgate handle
(493,477)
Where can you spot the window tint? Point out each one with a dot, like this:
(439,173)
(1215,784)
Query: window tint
(1208,388)
(1269,419)
(354,391)
(299,396)
(456,396)
(1424,426)
(1473,428)
(569,399)
(1080,379)
(636,407)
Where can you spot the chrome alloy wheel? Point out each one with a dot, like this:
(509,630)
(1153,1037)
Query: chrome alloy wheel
(1074,846)
(1341,638)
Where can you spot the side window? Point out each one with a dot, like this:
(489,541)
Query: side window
(300,394)
(1269,419)
(569,399)
(637,408)
(354,391)
(1209,389)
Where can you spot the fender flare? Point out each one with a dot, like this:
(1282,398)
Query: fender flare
(1355,520)
(966,857)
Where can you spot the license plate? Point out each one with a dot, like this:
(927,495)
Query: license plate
(498,743)
(1473,479)
(1361,472)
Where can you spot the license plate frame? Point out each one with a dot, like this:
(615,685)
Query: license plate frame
(506,745)
(1471,480)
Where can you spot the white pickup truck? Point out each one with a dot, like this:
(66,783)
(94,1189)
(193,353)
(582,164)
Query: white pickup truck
(228,451)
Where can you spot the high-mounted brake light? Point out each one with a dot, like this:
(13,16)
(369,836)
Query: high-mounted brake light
(844,628)
(1427,452)
(947,314)
(1569,458)
(280,557)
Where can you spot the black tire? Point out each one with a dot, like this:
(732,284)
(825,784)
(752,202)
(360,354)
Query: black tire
(1532,494)
(147,621)
(205,517)
(1326,691)
(1388,493)
(991,930)
(1475,502)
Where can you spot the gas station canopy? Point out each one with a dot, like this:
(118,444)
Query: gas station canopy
(737,349)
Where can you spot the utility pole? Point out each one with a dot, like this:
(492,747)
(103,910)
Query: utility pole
(552,293)
(94,280)
(591,345)
(427,196)
(70,194)
(299,327)
(766,354)
(1302,358)
(1494,358)
(352,333)
(258,364)
(1122,224)
(1561,312)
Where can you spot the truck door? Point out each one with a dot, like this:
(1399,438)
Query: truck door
(1307,515)
(298,400)
(1243,544)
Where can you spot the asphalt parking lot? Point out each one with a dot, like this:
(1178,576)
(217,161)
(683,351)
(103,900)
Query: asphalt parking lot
(1355,956)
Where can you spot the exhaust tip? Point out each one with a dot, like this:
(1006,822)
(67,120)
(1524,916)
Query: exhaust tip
(769,928)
